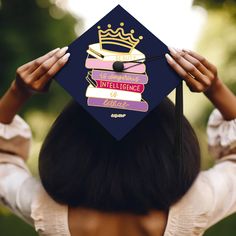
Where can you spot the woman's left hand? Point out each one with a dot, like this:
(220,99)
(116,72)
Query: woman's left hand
(35,76)
(32,77)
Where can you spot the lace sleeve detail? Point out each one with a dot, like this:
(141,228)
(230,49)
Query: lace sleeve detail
(15,138)
(221,135)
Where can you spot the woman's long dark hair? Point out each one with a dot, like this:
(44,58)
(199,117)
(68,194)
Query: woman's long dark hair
(81,164)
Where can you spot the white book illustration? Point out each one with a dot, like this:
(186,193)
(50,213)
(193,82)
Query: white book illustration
(105,55)
(112,94)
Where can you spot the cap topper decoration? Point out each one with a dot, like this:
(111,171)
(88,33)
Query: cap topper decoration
(117,75)
(118,72)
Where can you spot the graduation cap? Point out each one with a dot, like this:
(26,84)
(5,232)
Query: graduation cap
(118,73)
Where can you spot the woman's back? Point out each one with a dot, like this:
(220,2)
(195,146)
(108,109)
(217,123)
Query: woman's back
(93,223)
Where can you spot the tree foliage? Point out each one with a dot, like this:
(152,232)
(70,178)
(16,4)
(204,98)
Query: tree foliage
(218,41)
(28,30)
(214,4)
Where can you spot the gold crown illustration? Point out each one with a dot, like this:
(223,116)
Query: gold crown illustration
(110,39)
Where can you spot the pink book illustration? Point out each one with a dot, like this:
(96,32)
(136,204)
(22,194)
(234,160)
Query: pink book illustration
(111,87)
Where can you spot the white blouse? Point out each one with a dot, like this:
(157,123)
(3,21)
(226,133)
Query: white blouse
(211,198)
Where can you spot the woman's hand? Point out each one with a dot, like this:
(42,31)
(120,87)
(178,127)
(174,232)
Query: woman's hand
(35,76)
(198,73)
(201,76)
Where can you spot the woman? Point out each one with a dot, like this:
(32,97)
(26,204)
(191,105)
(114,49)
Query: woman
(93,185)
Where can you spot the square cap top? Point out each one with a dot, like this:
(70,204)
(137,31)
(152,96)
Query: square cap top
(117,72)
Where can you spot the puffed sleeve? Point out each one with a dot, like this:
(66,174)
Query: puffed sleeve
(17,186)
(221,178)
(221,135)
(215,188)
(15,138)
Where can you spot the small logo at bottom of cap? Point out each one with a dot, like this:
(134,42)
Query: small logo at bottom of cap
(118,115)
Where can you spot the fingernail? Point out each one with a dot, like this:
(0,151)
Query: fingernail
(63,51)
(180,51)
(54,50)
(168,57)
(185,50)
(172,51)
(66,56)
(177,49)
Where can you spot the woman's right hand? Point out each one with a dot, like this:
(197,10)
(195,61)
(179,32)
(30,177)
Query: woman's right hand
(201,76)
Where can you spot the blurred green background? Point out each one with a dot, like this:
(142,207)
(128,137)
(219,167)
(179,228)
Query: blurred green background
(31,29)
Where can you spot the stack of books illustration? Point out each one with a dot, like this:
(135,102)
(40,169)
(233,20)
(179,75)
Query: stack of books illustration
(108,87)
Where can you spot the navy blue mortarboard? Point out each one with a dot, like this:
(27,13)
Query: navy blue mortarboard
(118,73)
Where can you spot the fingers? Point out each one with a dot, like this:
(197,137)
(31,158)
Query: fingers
(32,65)
(193,84)
(47,64)
(202,60)
(44,80)
(189,67)
(198,73)
(36,74)
(197,64)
